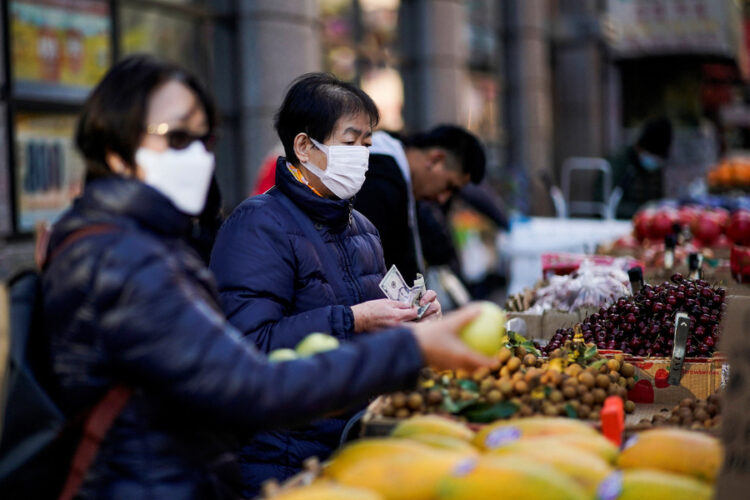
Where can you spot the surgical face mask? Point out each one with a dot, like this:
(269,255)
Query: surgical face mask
(345,170)
(650,162)
(183,175)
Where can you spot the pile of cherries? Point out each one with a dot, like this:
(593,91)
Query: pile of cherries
(643,325)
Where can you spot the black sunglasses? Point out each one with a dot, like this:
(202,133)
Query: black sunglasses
(181,139)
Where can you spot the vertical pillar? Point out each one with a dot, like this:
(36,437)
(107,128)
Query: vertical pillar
(6,211)
(278,40)
(528,99)
(580,73)
(434,60)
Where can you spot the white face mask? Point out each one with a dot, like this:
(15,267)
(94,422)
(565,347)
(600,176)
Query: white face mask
(182,175)
(345,170)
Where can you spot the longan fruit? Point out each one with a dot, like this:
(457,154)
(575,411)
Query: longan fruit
(629,406)
(627,369)
(574,369)
(525,411)
(480,373)
(521,351)
(631,382)
(513,364)
(583,411)
(587,379)
(556,396)
(588,399)
(599,395)
(402,413)
(504,355)
(594,415)
(614,377)
(622,382)
(388,411)
(486,385)
(602,381)
(521,387)
(517,376)
(569,392)
(504,372)
(505,386)
(529,360)
(582,389)
(467,395)
(494,396)
(415,401)
(398,400)
(549,410)
(434,397)
(613,365)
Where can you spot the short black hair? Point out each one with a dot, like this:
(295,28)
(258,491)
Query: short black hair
(314,103)
(459,142)
(113,117)
(656,136)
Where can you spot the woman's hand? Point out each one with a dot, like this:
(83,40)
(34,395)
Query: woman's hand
(381,313)
(435,311)
(441,347)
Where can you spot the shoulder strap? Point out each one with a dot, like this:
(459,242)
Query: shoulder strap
(78,235)
(99,421)
(327,258)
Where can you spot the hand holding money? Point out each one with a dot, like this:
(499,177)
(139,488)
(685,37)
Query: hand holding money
(381,313)
(395,288)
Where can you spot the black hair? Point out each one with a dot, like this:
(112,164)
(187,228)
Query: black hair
(656,136)
(113,117)
(459,142)
(314,103)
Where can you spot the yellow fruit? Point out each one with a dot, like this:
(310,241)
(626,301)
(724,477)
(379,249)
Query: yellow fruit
(644,484)
(432,424)
(674,450)
(328,491)
(587,469)
(444,442)
(401,477)
(365,449)
(485,332)
(504,431)
(515,477)
(598,445)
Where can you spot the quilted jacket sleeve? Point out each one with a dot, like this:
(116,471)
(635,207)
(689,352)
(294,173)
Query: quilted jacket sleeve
(161,334)
(255,265)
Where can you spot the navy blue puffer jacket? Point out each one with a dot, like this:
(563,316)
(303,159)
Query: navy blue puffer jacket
(137,306)
(274,289)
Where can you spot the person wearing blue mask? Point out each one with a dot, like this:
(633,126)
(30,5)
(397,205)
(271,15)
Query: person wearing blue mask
(638,169)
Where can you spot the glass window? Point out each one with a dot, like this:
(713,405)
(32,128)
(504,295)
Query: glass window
(49,171)
(59,48)
(177,38)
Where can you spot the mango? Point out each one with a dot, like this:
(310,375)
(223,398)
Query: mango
(400,477)
(434,425)
(505,431)
(328,491)
(444,443)
(596,445)
(586,468)
(674,450)
(366,449)
(645,484)
(512,477)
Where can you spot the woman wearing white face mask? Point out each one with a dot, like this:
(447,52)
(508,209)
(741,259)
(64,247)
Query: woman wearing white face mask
(300,259)
(131,314)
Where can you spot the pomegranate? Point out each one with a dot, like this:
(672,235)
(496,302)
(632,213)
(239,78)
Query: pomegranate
(739,227)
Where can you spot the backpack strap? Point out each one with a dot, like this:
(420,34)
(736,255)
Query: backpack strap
(79,234)
(98,422)
(327,258)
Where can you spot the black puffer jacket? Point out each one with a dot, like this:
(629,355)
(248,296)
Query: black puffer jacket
(137,306)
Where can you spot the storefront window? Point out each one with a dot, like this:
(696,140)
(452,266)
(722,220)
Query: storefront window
(59,48)
(49,171)
(175,38)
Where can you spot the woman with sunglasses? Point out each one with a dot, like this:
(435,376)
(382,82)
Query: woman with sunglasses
(128,302)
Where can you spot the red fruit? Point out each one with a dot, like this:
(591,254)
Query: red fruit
(661,224)
(686,215)
(707,227)
(642,223)
(739,227)
(642,392)
(628,242)
(660,378)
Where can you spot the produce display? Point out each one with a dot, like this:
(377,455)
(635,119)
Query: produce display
(534,458)
(643,325)
(313,343)
(573,382)
(590,286)
(691,413)
(730,174)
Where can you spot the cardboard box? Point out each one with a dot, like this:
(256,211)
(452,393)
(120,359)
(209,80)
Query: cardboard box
(701,377)
(542,326)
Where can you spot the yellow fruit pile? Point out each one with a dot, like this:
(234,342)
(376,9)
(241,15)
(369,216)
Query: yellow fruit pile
(434,458)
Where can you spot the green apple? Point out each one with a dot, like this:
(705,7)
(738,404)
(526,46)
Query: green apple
(485,332)
(316,342)
(282,355)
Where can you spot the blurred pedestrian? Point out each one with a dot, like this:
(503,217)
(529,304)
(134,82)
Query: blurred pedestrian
(638,169)
(429,166)
(300,259)
(127,301)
